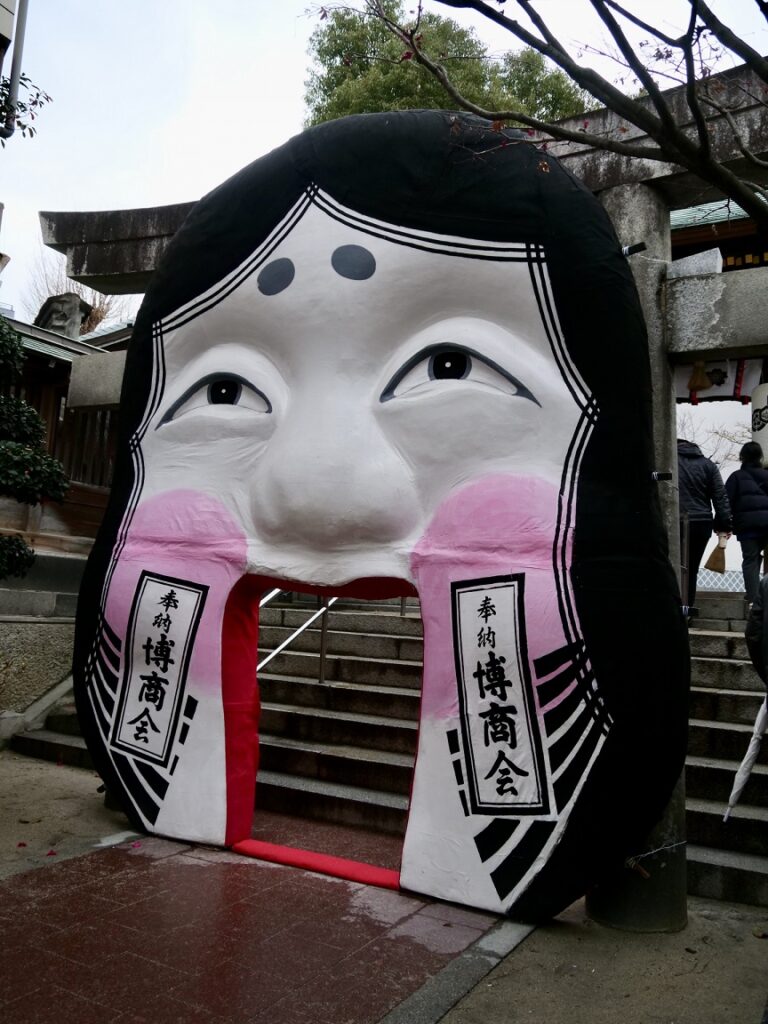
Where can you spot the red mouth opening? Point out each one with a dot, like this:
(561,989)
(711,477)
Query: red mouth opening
(242,713)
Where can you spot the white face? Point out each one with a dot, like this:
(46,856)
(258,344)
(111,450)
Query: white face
(364,393)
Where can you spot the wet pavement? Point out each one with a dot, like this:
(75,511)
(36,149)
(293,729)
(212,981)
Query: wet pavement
(98,925)
(153,930)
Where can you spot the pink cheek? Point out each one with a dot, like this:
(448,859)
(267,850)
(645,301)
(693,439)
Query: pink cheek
(190,536)
(495,526)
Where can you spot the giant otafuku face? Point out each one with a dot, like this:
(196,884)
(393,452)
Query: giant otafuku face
(378,362)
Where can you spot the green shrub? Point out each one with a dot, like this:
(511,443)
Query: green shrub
(30,474)
(11,349)
(16,557)
(20,422)
(27,472)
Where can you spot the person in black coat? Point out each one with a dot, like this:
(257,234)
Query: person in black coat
(748,494)
(756,633)
(701,487)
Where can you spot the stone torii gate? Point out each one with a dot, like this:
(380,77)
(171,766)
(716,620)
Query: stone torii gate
(693,312)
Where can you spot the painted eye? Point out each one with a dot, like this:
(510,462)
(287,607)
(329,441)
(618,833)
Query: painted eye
(222,389)
(452,363)
(449,364)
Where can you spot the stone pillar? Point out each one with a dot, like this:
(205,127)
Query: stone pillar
(63,314)
(640,215)
(652,896)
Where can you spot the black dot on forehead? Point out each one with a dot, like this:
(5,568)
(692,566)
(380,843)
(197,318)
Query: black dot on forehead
(354,262)
(276,276)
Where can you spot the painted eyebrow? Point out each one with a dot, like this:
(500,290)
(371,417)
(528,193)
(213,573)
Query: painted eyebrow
(276,276)
(389,391)
(203,382)
(354,262)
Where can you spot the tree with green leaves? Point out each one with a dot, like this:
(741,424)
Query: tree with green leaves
(21,113)
(27,472)
(359,67)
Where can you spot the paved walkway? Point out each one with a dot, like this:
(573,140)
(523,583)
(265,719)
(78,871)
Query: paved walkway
(153,931)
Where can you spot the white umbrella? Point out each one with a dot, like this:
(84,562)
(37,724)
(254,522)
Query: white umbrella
(742,774)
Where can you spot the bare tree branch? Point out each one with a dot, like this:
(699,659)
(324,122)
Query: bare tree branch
(584,77)
(690,87)
(729,38)
(553,131)
(644,25)
(636,65)
(743,149)
(551,47)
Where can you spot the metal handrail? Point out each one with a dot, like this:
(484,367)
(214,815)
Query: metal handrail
(293,636)
(324,607)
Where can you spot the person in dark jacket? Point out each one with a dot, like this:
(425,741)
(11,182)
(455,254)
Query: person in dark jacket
(756,633)
(701,488)
(748,494)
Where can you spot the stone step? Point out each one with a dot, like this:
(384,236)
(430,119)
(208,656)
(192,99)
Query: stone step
(389,701)
(297,599)
(58,572)
(711,778)
(727,741)
(384,621)
(365,645)
(14,602)
(345,668)
(718,644)
(721,605)
(378,770)
(48,745)
(330,801)
(725,674)
(718,625)
(63,718)
(716,705)
(746,831)
(321,795)
(374,732)
(725,875)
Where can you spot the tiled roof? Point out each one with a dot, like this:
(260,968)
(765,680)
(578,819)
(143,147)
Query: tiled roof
(709,213)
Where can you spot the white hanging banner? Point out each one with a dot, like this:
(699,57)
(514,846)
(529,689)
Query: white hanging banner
(717,381)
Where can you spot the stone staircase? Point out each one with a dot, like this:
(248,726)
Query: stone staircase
(726,860)
(343,749)
(48,590)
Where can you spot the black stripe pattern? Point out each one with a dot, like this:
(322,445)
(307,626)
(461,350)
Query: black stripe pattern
(144,785)
(574,725)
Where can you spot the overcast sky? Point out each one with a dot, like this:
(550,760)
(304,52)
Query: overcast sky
(158,101)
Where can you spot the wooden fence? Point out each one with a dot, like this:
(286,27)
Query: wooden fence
(85,445)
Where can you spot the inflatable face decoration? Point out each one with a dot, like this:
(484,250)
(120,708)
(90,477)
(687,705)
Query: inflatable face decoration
(401,354)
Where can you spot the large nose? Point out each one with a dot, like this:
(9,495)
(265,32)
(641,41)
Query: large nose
(329,478)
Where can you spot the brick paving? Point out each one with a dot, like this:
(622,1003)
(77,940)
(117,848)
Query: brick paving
(162,932)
